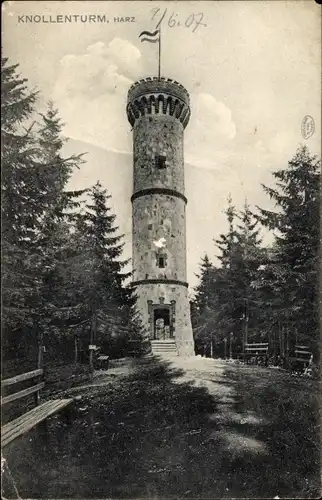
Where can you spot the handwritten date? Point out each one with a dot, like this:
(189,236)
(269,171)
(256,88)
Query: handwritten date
(173,20)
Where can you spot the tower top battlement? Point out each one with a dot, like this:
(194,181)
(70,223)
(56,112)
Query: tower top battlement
(155,85)
(158,96)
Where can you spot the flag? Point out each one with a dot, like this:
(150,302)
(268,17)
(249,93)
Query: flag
(155,37)
(147,36)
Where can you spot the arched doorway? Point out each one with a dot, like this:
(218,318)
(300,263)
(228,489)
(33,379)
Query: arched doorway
(162,320)
(162,329)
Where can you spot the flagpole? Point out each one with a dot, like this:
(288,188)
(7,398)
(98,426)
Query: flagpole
(159,72)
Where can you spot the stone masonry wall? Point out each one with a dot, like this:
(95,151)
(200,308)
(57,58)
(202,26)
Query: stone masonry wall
(159,228)
(158,135)
(168,292)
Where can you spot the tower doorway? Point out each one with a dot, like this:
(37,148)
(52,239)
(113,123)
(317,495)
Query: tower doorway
(162,328)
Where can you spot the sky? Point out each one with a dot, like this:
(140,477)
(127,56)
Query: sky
(252,69)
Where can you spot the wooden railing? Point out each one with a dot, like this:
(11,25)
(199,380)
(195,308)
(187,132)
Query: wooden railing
(15,428)
(25,392)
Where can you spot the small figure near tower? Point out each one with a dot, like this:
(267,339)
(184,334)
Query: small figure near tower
(159,110)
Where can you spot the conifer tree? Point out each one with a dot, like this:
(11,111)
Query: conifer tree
(205,287)
(294,268)
(21,207)
(99,281)
(227,296)
(250,259)
(34,209)
(57,221)
(203,307)
(226,242)
(228,308)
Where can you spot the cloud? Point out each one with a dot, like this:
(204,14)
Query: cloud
(90,93)
(99,70)
(214,117)
(210,132)
(126,56)
(91,90)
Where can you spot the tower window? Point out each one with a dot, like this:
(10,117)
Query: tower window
(161,260)
(150,226)
(160,162)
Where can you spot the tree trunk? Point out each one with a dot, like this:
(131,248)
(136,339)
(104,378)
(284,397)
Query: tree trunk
(280,334)
(246,330)
(40,361)
(274,339)
(76,349)
(92,339)
(287,343)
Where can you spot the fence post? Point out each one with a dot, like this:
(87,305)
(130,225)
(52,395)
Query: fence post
(246,318)
(76,349)
(92,340)
(40,361)
(230,345)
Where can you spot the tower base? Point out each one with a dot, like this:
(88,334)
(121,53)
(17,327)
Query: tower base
(185,348)
(165,313)
(166,348)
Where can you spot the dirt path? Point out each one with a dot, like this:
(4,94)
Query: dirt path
(176,428)
(210,374)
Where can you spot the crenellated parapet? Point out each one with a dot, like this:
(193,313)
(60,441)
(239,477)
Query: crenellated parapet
(153,96)
(164,85)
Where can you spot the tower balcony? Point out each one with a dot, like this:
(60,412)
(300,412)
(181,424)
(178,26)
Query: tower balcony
(153,96)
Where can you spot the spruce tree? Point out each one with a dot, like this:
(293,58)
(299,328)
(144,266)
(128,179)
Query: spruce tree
(21,207)
(227,300)
(228,308)
(35,207)
(100,281)
(203,307)
(250,258)
(203,290)
(294,270)
(57,222)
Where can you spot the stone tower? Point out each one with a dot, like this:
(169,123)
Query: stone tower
(158,111)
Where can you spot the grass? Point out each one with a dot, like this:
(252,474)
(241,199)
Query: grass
(183,430)
(287,410)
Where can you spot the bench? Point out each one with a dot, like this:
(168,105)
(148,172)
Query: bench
(255,350)
(102,362)
(24,423)
(302,357)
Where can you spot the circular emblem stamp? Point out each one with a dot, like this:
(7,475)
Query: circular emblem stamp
(307,127)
